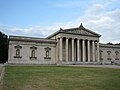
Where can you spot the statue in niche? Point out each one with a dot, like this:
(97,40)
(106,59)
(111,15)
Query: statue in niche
(18,47)
(47,53)
(47,49)
(33,51)
(116,55)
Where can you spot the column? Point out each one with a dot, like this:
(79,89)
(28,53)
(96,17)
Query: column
(78,50)
(60,48)
(98,51)
(73,49)
(93,51)
(57,50)
(83,50)
(66,49)
(88,51)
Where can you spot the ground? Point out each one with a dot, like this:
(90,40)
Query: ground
(60,78)
(1,76)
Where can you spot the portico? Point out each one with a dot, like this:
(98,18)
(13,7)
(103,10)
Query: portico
(80,50)
(77,45)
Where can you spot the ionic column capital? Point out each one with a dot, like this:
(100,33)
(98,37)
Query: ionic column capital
(73,38)
(67,37)
(61,37)
(57,39)
(78,39)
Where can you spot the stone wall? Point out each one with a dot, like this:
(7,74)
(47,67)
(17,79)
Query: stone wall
(27,50)
(31,52)
(109,54)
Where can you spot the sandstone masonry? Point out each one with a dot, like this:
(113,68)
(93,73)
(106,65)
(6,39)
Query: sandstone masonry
(66,46)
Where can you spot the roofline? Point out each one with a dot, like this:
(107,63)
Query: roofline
(55,33)
(92,31)
(84,29)
(31,39)
(62,30)
(109,46)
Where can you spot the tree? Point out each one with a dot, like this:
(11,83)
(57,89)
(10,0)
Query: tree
(117,44)
(110,43)
(3,48)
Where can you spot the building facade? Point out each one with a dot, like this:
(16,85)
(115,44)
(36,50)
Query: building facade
(66,46)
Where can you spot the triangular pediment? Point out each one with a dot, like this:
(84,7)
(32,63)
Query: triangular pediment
(78,31)
(81,30)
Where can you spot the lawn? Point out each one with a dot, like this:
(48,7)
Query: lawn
(60,78)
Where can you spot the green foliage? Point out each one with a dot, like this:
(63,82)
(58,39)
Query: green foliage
(110,43)
(117,44)
(60,78)
(113,44)
(3,48)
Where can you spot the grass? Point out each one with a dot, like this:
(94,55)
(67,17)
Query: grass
(60,78)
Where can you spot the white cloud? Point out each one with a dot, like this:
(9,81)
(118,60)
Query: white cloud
(70,4)
(95,10)
(106,23)
(96,18)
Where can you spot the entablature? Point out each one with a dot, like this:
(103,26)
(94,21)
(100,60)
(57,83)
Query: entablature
(72,36)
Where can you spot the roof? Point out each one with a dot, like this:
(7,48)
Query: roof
(31,39)
(109,46)
(78,31)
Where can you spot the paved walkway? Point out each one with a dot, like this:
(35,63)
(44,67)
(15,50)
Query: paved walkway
(1,68)
(1,75)
(104,66)
(1,65)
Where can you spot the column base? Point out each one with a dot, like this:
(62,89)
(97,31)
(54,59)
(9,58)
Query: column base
(78,63)
(59,62)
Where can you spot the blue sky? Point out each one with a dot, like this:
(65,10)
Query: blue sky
(40,12)
(40,18)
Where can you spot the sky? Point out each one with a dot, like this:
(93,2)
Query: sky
(40,18)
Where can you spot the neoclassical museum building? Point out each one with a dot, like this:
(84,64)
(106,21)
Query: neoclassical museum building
(66,46)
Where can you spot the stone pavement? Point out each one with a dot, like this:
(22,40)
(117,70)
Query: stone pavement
(1,76)
(103,66)
(1,68)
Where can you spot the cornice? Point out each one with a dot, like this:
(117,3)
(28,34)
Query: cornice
(31,39)
(109,46)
